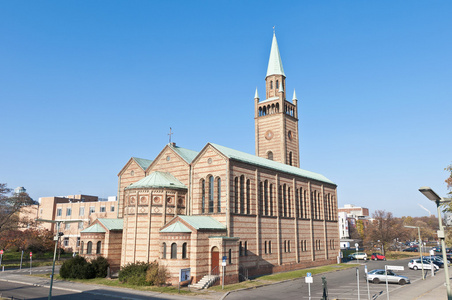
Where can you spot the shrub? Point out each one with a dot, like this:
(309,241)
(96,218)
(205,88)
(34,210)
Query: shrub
(100,265)
(156,275)
(134,273)
(78,268)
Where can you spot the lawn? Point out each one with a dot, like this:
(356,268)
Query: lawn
(12,259)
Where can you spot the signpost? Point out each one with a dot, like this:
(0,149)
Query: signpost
(31,260)
(394,268)
(367,281)
(223,264)
(309,280)
(357,248)
(357,280)
(1,257)
(21,259)
(432,252)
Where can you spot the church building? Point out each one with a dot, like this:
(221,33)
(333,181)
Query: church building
(260,213)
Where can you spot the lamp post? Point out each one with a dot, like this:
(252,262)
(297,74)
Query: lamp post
(431,195)
(420,247)
(56,238)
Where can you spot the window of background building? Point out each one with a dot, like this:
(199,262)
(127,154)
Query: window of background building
(66,242)
(92,210)
(68,211)
(78,242)
(67,225)
(81,211)
(80,225)
(112,208)
(102,209)
(59,212)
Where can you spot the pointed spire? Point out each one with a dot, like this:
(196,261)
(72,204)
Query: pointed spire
(256,95)
(294,95)
(274,63)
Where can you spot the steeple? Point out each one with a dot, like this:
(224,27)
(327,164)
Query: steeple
(256,95)
(274,63)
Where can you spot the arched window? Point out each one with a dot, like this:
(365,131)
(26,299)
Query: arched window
(277,84)
(211,194)
(280,201)
(242,194)
(164,250)
(230,256)
(270,155)
(246,249)
(269,247)
(203,195)
(284,201)
(218,194)
(240,249)
(288,246)
(173,251)
(271,84)
(89,248)
(184,250)
(81,247)
(248,196)
(289,203)
(99,244)
(290,158)
(265,243)
(260,197)
(285,246)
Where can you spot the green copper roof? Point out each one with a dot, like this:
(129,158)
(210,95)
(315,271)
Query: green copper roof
(112,224)
(274,63)
(176,227)
(186,154)
(96,228)
(158,179)
(270,164)
(142,162)
(203,222)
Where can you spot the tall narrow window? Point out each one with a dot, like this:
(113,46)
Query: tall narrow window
(218,194)
(269,247)
(99,244)
(280,201)
(242,194)
(203,195)
(245,252)
(265,244)
(240,249)
(236,195)
(288,246)
(265,198)
(284,201)
(248,196)
(285,246)
(289,203)
(173,251)
(260,197)
(211,194)
(270,193)
(164,250)
(89,248)
(81,247)
(230,256)
(271,84)
(290,158)
(277,84)
(184,250)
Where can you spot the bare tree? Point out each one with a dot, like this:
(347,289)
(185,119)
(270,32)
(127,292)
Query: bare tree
(384,228)
(10,206)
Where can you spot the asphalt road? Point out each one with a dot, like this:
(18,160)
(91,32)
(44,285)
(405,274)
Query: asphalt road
(342,285)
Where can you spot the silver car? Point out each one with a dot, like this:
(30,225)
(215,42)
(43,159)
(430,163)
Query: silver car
(378,275)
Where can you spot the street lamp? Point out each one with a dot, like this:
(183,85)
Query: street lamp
(56,238)
(420,247)
(431,195)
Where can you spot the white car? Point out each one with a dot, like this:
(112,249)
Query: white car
(358,255)
(416,264)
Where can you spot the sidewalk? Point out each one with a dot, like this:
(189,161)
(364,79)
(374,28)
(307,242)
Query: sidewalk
(432,288)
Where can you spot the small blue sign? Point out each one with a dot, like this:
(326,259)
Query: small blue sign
(225,258)
(308,274)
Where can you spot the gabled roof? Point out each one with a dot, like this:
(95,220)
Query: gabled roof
(203,222)
(95,228)
(158,179)
(176,227)
(186,154)
(112,224)
(142,162)
(270,164)
(274,63)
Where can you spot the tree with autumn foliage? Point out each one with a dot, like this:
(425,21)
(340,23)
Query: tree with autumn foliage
(10,206)
(35,240)
(384,228)
(449,179)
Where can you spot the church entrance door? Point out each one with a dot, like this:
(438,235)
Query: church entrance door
(215,260)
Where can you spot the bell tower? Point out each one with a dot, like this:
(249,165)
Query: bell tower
(276,119)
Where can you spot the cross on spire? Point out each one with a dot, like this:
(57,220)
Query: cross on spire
(170,133)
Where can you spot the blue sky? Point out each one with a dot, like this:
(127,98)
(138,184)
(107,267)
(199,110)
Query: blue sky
(85,85)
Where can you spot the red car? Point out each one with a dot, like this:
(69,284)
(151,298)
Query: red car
(378,256)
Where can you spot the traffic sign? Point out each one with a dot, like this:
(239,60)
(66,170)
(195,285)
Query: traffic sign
(395,268)
(31,254)
(308,274)
(1,251)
